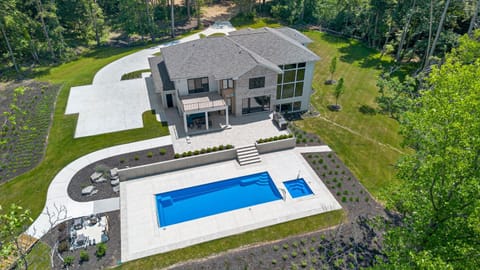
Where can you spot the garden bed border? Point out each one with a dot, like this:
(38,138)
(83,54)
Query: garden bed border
(176,164)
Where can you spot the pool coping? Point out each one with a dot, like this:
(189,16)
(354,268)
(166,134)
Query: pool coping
(141,239)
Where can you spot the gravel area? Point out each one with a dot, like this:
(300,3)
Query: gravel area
(82,178)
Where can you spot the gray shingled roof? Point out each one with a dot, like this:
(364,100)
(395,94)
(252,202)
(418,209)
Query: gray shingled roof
(294,34)
(234,55)
(217,56)
(160,74)
(274,46)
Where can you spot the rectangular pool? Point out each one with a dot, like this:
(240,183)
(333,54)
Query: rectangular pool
(298,188)
(214,198)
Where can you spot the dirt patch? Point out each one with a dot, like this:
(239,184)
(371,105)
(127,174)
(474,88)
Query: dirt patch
(112,256)
(223,11)
(27,109)
(82,178)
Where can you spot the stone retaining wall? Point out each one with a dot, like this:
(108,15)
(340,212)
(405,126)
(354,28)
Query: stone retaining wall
(276,145)
(176,164)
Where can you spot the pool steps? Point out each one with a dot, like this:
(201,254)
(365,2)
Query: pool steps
(248,155)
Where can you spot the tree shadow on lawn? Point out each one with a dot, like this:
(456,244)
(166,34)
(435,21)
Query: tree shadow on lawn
(356,52)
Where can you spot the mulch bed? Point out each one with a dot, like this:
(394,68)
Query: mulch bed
(112,255)
(82,178)
(354,244)
(24,122)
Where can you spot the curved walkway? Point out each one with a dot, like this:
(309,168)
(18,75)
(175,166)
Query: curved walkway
(59,206)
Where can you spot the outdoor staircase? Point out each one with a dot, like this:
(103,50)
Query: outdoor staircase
(247,155)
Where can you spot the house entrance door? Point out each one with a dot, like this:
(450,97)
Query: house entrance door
(169,100)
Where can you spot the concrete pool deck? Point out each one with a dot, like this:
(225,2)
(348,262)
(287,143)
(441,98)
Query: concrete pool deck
(141,235)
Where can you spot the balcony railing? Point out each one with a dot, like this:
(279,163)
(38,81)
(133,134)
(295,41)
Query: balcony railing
(200,102)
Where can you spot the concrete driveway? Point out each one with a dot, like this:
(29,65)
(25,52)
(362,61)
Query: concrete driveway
(111,105)
(105,108)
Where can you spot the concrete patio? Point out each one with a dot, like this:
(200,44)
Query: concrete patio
(244,130)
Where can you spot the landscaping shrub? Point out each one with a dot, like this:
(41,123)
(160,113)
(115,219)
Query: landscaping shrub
(149,154)
(101,168)
(84,256)
(276,138)
(162,151)
(177,155)
(68,260)
(196,152)
(101,250)
(136,157)
(62,246)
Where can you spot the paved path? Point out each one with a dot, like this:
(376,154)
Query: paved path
(59,206)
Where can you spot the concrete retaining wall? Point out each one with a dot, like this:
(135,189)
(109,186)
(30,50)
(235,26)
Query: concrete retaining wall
(176,164)
(276,145)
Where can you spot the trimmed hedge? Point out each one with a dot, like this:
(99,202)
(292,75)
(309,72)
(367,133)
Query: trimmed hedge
(276,138)
(203,151)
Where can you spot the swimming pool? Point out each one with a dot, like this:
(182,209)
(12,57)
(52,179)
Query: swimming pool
(214,198)
(298,188)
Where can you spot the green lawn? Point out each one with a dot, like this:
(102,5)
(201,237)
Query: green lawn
(368,144)
(271,233)
(137,74)
(29,190)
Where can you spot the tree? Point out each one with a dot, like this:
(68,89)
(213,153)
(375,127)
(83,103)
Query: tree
(338,91)
(439,201)
(12,222)
(395,97)
(332,68)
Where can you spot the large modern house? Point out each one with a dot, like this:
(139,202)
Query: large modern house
(248,71)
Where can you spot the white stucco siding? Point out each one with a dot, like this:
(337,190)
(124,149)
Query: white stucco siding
(307,85)
(242,87)
(212,84)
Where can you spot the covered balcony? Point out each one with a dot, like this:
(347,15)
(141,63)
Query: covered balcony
(196,108)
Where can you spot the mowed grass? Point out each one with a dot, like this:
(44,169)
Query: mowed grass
(29,190)
(276,232)
(369,144)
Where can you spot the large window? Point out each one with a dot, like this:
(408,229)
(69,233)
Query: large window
(198,85)
(290,83)
(225,84)
(255,104)
(289,107)
(256,83)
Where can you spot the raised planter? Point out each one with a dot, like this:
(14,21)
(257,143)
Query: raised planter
(176,164)
(278,145)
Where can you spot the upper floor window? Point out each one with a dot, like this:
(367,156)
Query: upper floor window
(198,85)
(225,84)
(258,82)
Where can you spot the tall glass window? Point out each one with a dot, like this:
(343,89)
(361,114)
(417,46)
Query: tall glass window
(290,83)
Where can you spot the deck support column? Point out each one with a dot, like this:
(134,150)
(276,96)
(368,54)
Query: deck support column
(226,115)
(185,122)
(206,119)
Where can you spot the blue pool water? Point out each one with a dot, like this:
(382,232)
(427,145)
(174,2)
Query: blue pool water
(298,188)
(205,200)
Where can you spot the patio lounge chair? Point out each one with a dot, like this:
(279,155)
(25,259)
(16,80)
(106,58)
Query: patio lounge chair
(95,176)
(115,182)
(114,172)
(88,190)
(100,180)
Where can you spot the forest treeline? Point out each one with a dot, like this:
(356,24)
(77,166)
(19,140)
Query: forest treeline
(44,31)
(419,30)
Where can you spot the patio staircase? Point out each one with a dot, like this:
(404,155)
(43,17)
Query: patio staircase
(248,155)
